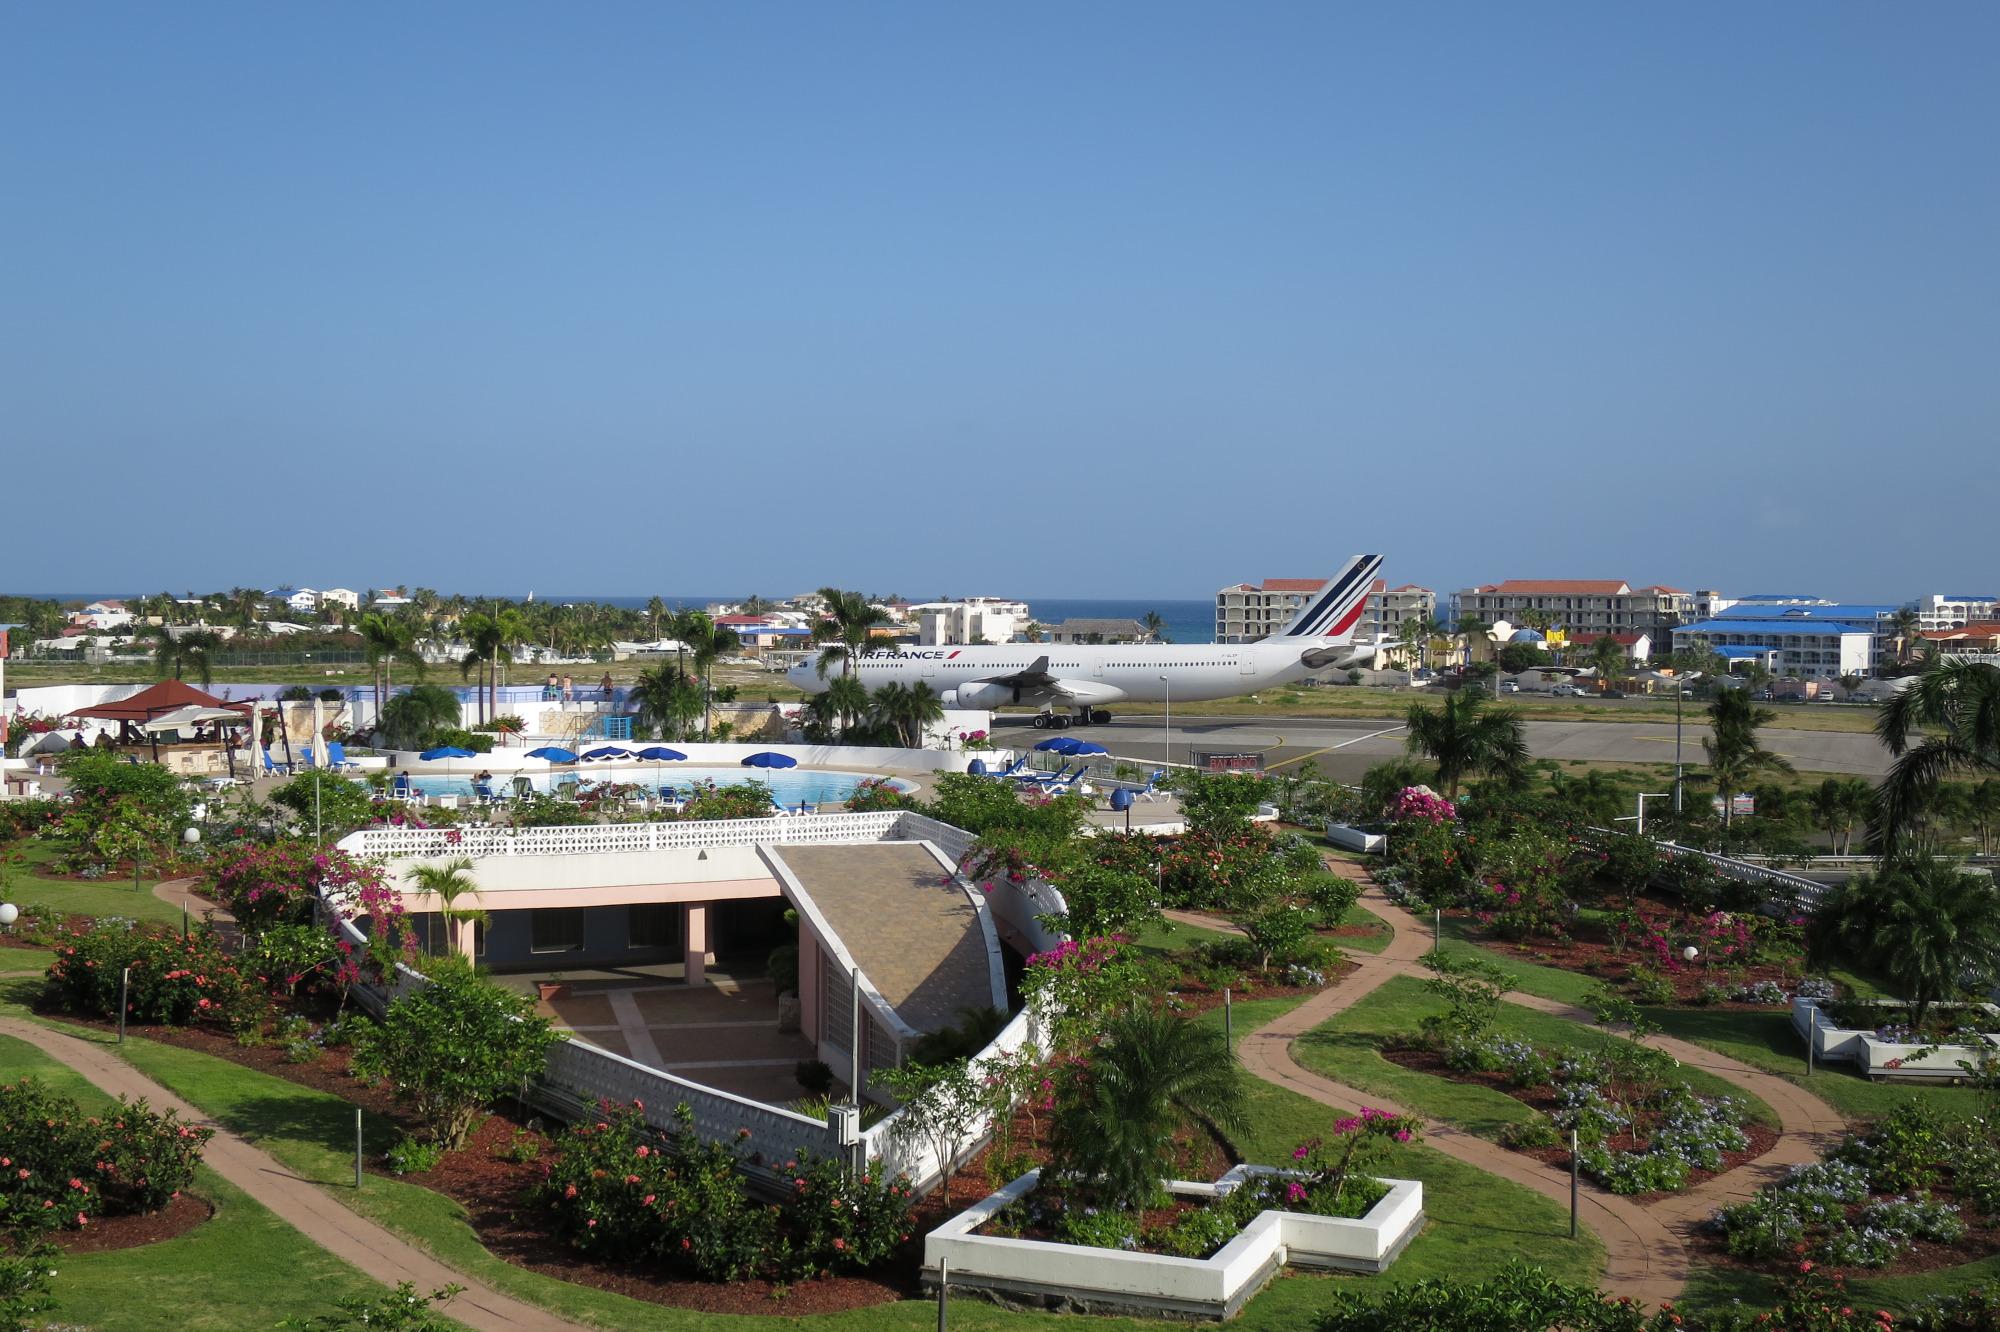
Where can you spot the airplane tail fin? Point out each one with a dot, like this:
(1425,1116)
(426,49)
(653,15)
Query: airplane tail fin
(1336,608)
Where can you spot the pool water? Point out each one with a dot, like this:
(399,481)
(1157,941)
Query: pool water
(789,786)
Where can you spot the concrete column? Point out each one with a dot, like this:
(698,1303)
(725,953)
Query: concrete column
(694,940)
(462,941)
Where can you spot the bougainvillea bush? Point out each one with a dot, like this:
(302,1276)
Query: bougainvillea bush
(620,1191)
(59,1165)
(265,885)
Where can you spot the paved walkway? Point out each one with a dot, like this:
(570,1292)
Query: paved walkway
(307,1207)
(1645,1245)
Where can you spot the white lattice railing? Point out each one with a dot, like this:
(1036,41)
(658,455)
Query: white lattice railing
(584,839)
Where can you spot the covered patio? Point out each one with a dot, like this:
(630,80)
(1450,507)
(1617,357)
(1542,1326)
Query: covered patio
(177,726)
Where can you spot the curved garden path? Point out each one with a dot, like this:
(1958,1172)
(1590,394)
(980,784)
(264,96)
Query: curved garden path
(1645,1245)
(345,1234)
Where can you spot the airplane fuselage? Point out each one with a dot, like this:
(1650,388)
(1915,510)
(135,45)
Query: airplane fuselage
(1089,674)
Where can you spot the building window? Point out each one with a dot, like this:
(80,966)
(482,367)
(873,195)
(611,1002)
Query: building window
(556,930)
(654,924)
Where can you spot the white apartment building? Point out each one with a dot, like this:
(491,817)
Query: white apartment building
(1955,610)
(341,596)
(1812,647)
(1583,606)
(973,620)
(1390,608)
(1246,612)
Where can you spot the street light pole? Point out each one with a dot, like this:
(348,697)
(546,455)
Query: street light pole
(1644,796)
(1167,733)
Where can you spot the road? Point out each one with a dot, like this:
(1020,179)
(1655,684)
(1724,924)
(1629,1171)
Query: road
(1347,747)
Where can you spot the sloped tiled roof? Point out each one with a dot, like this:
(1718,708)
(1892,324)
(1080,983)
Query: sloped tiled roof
(1559,587)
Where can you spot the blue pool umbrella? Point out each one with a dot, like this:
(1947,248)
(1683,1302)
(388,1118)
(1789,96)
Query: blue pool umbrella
(1083,748)
(445,752)
(608,752)
(1061,744)
(660,754)
(553,753)
(765,758)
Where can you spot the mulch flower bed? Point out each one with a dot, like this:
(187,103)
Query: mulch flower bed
(1981,1241)
(1195,996)
(1543,1098)
(1590,951)
(482,1179)
(106,1234)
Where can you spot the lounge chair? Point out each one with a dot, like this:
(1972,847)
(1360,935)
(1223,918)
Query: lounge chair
(1013,769)
(524,788)
(272,768)
(1151,790)
(484,792)
(1060,777)
(401,788)
(306,763)
(1071,782)
(336,758)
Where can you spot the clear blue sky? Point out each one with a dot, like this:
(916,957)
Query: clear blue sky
(1054,299)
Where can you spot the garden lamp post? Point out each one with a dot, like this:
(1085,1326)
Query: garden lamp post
(9,913)
(1167,730)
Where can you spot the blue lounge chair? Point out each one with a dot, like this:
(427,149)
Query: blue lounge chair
(1049,779)
(272,768)
(401,788)
(306,759)
(1067,783)
(484,791)
(1151,790)
(1013,769)
(336,758)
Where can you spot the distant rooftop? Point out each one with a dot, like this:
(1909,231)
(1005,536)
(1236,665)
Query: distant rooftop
(1798,625)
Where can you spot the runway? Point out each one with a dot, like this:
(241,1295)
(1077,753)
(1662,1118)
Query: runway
(1344,748)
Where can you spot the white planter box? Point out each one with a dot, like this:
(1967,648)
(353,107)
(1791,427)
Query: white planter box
(1879,1059)
(1041,1274)
(1353,839)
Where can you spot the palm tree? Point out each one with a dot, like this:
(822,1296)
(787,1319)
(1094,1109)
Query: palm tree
(847,631)
(848,698)
(1735,754)
(707,641)
(1982,812)
(451,881)
(907,710)
(655,608)
(666,699)
(1462,735)
(1905,625)
(183,652)
(1607,658)
(412,718)
(1946,720)
(1931,928)
(1469,628)
(1155,625)
(1151,1072)
(1837,805)
(387,640)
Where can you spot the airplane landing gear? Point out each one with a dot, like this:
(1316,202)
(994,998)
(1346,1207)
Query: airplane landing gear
(1051,721)
(1100,717)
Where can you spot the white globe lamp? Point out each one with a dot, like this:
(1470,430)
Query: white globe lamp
(9,913)
(191,836)
(1690,952)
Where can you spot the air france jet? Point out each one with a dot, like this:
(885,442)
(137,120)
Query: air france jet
(1084,679)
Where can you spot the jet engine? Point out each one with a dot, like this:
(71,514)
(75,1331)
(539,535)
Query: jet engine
(984,697)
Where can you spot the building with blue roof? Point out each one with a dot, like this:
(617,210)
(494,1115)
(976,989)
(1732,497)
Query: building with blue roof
(1815,646)
(1955,610)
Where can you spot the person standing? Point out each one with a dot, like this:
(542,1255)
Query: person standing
(568,688)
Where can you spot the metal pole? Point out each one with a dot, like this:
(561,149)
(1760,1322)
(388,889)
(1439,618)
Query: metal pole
(944,1278)
(1167,731)
(1573,1165)
(184,918)
(1677,746)
(124,985)
(1812,1029)
(1437,929)
(357,1146)
(1228,1021)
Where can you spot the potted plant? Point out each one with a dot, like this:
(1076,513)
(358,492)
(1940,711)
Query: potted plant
(553,987)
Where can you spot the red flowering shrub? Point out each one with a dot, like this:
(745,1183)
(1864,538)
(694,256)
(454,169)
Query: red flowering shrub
(276,883)
(59,1167)
(619,1190)
(175,981)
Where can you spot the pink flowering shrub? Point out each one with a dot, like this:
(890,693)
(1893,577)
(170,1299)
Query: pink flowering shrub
(1414,802)
(59,1167)
(276,883)
(1331,1176)
(621,1191)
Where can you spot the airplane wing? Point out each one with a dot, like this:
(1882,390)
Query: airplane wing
(1033,676)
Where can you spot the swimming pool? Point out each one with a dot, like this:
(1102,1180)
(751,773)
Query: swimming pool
(788,785)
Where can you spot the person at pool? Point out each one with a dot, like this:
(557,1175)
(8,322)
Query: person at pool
(604,685)
(552,690)
(568,688)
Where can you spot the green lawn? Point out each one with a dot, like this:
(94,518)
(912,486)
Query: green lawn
(25,960)
(244,1268)
(1767,1041)
(1565,987)
(1366,943)
(1345,1050)
(1476,1220)
(104,897)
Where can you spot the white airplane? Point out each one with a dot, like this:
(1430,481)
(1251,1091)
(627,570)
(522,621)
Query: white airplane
(1084,678)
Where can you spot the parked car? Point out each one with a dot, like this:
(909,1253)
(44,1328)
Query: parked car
(1566,690)
(1510,687)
